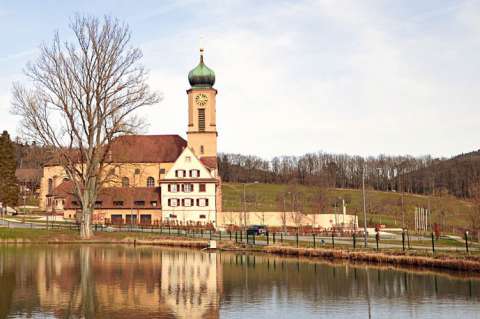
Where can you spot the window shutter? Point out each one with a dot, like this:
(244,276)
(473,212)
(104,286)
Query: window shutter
(206,201)
(169,201)
(176,173)
(169,187)
(183,202)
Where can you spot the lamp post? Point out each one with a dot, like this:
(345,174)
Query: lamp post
(245,202)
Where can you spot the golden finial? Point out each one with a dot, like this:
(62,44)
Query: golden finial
(201,54)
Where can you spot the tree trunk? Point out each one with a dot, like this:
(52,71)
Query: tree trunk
(86,225)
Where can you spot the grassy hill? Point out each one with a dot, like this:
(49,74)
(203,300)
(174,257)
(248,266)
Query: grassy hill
(383,207)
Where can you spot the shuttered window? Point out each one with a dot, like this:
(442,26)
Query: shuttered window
(201,120)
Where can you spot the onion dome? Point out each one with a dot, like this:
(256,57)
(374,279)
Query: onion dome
(201,76)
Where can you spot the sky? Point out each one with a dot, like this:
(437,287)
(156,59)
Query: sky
(293,77)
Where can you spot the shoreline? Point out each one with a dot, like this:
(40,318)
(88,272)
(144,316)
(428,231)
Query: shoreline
(463,264)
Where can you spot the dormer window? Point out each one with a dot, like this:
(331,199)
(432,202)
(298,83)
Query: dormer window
(194,173)
(118,203)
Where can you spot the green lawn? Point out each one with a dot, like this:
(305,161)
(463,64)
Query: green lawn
(37,235)
(383,207)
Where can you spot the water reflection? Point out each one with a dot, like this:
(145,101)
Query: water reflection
(151,282)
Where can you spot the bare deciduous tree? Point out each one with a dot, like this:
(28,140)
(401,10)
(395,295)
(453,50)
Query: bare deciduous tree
(84,95)
(475,211)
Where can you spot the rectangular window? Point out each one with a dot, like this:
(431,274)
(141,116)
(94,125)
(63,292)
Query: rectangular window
(146,219)
(153,203)
(201,120)
(202,202)
(203,216)
(180,173)
(173,216)
(117,219)
(194,173)
(202,188)
(173,202)
(139,203)
(162,170)
(98,203)
(187,188)
(187,202)
(173,188)
(131,219)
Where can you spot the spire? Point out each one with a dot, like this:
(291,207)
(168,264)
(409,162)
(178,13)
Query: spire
(201,76)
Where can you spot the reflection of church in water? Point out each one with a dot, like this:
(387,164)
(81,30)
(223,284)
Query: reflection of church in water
(143,282)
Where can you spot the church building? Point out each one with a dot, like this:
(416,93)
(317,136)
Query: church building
(158,178)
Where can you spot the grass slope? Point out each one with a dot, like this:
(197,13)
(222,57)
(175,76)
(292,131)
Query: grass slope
(383,207)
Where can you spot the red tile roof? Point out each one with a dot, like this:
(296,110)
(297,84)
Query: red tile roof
(147,148)
(109,195)
(209,161)
(140,149)
(64,190)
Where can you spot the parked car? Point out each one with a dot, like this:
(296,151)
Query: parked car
(257,230)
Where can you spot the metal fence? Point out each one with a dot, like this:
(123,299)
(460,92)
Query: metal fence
(330,239)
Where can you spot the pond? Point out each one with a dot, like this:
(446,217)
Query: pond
(69,281)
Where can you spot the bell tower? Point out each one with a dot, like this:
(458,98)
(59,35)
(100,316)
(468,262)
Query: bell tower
(202,129)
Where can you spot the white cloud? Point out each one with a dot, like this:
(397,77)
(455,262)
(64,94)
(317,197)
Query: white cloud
(339,76)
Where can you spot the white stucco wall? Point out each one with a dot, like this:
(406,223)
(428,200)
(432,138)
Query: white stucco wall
(187,161)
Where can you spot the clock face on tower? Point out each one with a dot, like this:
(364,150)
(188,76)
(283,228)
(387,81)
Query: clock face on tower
(201,99)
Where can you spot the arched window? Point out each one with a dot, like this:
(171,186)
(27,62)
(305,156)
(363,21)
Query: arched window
(150,181)
(125,182)
(50,185)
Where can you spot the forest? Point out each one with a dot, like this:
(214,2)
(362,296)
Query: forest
(424,175)
(420,175)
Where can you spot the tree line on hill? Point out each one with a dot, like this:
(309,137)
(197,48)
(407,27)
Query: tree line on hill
(420,175)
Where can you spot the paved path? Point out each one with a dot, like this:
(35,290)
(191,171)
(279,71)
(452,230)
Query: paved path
(261,240)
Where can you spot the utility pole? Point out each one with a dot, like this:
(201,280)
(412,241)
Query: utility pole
(364,208)
(244,207)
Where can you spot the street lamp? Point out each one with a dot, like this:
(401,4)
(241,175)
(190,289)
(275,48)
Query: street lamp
(245,202)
